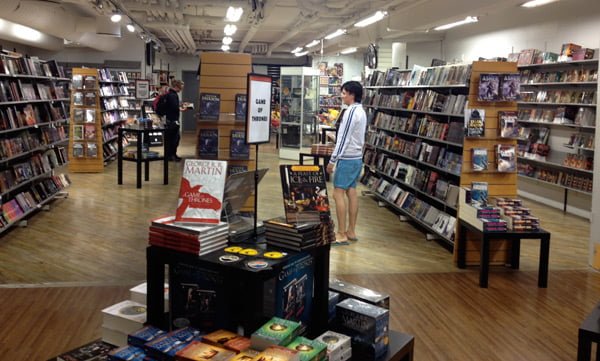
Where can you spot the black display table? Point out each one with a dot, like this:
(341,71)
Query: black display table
(316,160)
(141,136)
(244,287)
(589,332)
(513,237)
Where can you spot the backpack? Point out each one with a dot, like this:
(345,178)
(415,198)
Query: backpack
(160,105)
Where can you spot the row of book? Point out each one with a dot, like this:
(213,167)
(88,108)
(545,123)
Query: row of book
(14,209)
(458,74)
(12,63)
(439,221)
(85,150)
(421,100)
(110,149)
(27,141)
(505,158)
(108,75)
(16,174)
(297,236)
(114,90)
(84,132)
(494,87)
(550,175)
(581,141)
(569,52)
(585,116)
(575,75)
(115,116)
(89,82)
(15,90)
(560,96)
(16,117)
(425,126)
(418,150)
(579,161)
(208,144)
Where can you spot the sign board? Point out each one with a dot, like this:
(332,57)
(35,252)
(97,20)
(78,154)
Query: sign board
(142,89)
(258,115)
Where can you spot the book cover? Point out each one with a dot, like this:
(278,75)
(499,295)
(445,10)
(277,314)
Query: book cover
(199,351)
(488,90)
(475,122)
(276,331)
(78,150)
(77,132)
(506,157)
(234,169)
(89,99)
(91,150)
(508,124)
(293,290)
(126,353)
(210,106)
(90,351)
(479,194)
(308,350)
(365,323)
(144,335)
(201,191)
(208,143)
(126,316)
(479,159)
(89,132)
(241,104)
(89,82)
(304,193)
(277,353)
(77,81)
(510,86)
(238,148)
(78,115)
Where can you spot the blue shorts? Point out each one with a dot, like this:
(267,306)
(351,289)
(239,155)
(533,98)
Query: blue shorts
(346,173)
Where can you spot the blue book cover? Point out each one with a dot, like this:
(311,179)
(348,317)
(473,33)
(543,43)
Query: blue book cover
(234,169)
(479,159)
(241,104)
(208,143)
(479,193)
(144,335)
(127,353)
(210,106)
(238,148)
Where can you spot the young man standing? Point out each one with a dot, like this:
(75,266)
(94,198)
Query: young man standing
(347,159)
(173,109)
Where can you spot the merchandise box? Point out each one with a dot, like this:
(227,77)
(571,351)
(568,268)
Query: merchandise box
(346,290)
(126,316)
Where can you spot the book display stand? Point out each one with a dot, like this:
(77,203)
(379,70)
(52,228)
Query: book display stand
(140,156)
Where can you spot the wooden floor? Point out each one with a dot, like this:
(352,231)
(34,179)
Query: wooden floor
(83,254)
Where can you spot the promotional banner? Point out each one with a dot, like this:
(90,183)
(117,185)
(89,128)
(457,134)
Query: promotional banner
(258,118)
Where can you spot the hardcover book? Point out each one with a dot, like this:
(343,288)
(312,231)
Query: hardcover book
(506,157)
(304,193)
(78,115)
(479,159)
(91,150)
(277,353)
(508,124)
(234,169)
(210,106)
(77,82)
(488,90)
(144,335)
(475,122)
(201,191)
(89,131)
(208,143)
(308,350)
(511,88)
(91,351)
(277,331)
(126,316)
(479,194)
(238,148)
(199,351)
(127,353)
(241,104)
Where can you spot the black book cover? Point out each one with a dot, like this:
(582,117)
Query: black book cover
(210,106)
(238,148)
(241,104)
(489,85)
(209,143)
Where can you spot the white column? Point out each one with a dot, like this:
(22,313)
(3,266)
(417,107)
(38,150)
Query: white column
(595,218)
(399,55)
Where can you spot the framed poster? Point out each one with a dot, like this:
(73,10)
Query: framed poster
(142,89)
(258,114)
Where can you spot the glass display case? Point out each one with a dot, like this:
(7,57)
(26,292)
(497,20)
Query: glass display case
(299,106)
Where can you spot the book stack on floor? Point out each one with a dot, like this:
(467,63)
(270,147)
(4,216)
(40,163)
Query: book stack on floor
(139,294)
(121,319)
(517,217)
(297,236)
(195,239)
(322,149)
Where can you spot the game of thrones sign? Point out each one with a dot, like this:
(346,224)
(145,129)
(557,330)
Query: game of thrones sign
(258,116)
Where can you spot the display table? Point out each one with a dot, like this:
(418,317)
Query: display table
(244,288)
(515,239)
(141,134)
(589,332)
(316,161)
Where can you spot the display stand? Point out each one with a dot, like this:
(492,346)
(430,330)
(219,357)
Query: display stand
(500,184)
(81,160)
(141,135)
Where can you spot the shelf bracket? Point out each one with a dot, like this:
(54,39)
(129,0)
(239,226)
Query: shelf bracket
(22,223)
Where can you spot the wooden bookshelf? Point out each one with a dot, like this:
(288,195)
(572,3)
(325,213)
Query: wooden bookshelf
(500,184)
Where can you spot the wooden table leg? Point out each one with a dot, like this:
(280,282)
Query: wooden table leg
(485,262)
(544,259)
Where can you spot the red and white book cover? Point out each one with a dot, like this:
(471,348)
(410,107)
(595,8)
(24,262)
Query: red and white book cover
(201,191)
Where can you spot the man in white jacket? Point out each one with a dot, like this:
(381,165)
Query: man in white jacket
(347,159)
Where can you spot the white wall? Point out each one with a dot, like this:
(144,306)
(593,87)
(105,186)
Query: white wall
(353,64)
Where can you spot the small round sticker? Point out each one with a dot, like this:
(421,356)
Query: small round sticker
(229,258)
(257,264)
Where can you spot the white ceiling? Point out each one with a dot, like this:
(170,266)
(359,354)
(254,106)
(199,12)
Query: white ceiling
(267,27)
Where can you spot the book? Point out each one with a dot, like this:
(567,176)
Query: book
(210,106)
(479,159)
(238,148)
(308,350)
(506,157)
(488,90)
(276,331)
(199,351)
(479,194)
(94,350)
(77,132)
(337,343)
(510,86)
(89,131)
(78,150)
(508,124)
(367,324)
(144,335)
(201,191)
(304,193)
(91,150)
(277,353)
(349,290)
(475,122)
(126,316)
(241,105)
(234,169)
(208,143)
(77,81)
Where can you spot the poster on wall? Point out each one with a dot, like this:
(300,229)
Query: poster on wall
(142,89)
(258,115)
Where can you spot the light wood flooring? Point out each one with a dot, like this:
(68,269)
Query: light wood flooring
(83,255)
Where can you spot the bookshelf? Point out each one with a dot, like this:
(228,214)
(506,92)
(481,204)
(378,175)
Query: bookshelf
(414,149)
(33,135)
(559,101)
(116,106)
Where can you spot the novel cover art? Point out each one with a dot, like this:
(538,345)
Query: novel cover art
(210,106)
(241,104)
(489,85)
(238,148)
(507,121)
(201,191)
(304,193)
(475,122)
(208,143)
(510,88)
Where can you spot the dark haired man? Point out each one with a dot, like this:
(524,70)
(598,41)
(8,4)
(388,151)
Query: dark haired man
(347,159)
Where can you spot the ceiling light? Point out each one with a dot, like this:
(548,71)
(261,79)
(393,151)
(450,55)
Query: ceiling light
(230,29)
(26,33)
(371,19)
(116,17)
(227,40)
(297,50)
(535,3)
(348,51)
(130,27)
(234,14)
(301,54)
(336,33)
(225,47)
(467,20)
(312,43)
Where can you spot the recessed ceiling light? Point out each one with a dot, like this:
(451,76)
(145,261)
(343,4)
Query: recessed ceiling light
(467,20)
(227,40)
(371,19)
(312,43)
(115,18)
(535,3)
(130,27)
(348,51)
(230,29)
(234,14)
(336,33)
(298,49)
(302,53)
(225,47)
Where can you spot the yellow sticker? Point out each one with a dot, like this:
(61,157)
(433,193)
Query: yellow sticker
(249,252)
(233,249)
(274,255)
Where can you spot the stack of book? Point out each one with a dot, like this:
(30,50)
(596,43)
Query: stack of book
(297,237)
(308,350)
(322,149)
(517,217)
(199,240)
(121,319)
(339,347)
(277,331)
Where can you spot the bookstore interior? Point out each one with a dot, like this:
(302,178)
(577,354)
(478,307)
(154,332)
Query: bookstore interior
(480,136)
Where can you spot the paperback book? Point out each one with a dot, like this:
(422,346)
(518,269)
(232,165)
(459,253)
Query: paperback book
(506,157)
(488,90)
(511,88)
(479,159)
(475,122)
(210,105)
(208,143)
(201,191)
(238,148)
(241,104)
(508,124)
(479,194)
(304,193)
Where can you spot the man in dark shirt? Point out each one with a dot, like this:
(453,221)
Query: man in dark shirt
(173,109)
